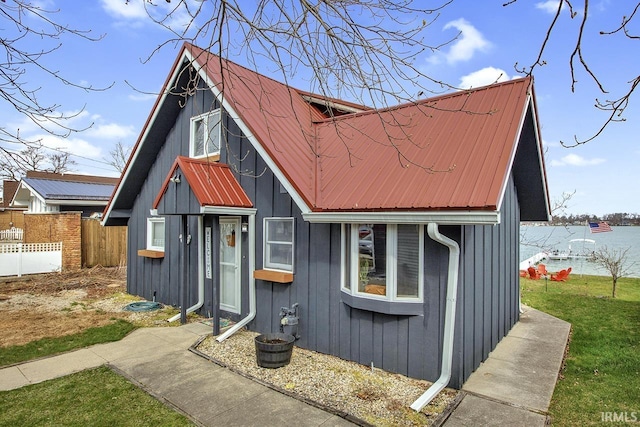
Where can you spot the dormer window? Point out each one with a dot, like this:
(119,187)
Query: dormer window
(205,134)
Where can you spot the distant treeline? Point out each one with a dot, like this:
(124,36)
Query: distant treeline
(611,219)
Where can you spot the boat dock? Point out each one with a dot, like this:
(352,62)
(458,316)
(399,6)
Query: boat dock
(532,260)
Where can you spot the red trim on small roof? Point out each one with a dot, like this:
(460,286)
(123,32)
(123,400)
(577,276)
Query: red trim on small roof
(212,183)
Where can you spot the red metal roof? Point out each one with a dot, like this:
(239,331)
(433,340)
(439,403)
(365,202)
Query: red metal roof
(452,152)
(449,152)
(213,184)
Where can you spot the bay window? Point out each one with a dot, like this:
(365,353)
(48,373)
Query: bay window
(383,261)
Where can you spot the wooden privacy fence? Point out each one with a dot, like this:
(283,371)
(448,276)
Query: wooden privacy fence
(105,246)
(17,259)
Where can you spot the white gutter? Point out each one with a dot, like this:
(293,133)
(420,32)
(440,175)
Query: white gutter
(440,217)
(252,283)
(449,318)
(200,302)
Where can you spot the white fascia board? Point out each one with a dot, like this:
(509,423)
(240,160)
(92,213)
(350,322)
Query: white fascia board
(295,196)
(67,202)
(222,210)
(442,218)
(24,186)
(536,129)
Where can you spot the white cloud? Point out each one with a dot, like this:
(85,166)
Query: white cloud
(125,10)
(74,146)
(469,41)
(576,160)
(112,131)
(142,97)
(137,13)
(551,6)
(483,77)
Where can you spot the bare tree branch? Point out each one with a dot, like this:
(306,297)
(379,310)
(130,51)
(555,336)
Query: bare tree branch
(28,23)
(617,106)
(14,165)
(118,156)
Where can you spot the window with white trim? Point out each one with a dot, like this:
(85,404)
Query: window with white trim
(383,261)
(155,234)
(278,244)
(205,134)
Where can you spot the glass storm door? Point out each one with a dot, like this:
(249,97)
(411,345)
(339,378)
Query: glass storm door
(230,271)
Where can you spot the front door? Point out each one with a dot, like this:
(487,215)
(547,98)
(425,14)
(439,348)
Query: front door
(230,271)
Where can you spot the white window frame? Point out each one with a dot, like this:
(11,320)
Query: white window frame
(266,261)
(350,272)
(212,121)
(150,227)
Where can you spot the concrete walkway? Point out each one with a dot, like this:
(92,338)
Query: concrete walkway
(513,387)
(515,384)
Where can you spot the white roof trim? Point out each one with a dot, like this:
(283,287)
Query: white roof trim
(298,200)
(223,210)
(536,129)
(440,217)
(76,202)
(24,186)
(528,107)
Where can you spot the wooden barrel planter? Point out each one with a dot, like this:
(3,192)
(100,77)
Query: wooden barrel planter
(274,350)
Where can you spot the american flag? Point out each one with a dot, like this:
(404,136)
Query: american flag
(599,227)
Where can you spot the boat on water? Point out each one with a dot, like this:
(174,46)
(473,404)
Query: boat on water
(584,248)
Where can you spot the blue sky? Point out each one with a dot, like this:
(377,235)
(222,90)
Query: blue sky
(603,173)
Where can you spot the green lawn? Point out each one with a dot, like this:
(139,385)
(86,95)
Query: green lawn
(96,397)
(602,373)
(48,346)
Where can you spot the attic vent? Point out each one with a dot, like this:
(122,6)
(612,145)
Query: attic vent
(329,108)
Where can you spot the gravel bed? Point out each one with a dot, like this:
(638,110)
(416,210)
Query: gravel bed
(373,396)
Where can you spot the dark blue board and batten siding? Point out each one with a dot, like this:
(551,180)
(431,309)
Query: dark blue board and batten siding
(410,345)
(162,275)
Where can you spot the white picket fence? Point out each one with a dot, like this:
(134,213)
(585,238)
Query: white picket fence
(13,233)
(17,259)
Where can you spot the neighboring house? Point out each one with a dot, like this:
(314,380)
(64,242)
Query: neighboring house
(10,217)
(396,231)
(41,192)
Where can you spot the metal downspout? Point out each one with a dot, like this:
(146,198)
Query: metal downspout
(449,318)
(200,302)
(252,283)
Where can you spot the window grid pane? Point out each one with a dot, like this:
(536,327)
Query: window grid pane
(198,137)
(408,261)
(279,243)
(156,233)
(213,134)
(383,261)
(372,259)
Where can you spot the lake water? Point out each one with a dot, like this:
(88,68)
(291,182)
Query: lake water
(544,239)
